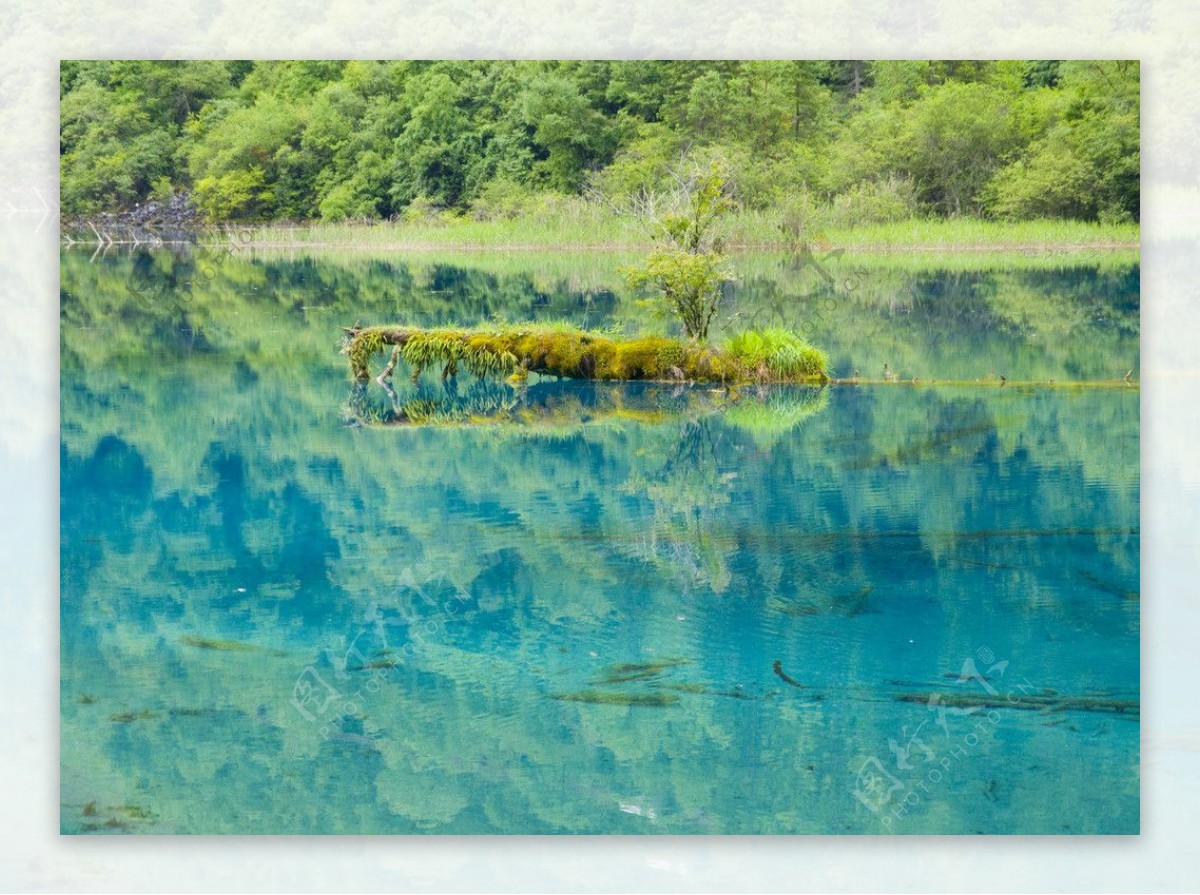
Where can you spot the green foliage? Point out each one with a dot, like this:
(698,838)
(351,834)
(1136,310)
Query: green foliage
(161,189)
(1086,163)
(503,199)
(112,154)
(1019,140)
(777,354)
(875,202)
(233,194)
(568,135)
(861,142)
(805,217)
(433,149)
(690,285)
(954,140)
(690,264)
(244,159)
(642,168)
(121,126)
(360,196)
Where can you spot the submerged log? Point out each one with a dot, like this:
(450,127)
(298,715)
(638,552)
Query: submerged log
(1040,702)
(566,352)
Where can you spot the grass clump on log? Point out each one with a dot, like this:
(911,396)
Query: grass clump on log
(566,352)
(776,353)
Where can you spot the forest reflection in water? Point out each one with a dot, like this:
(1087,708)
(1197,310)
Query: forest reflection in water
(639,608)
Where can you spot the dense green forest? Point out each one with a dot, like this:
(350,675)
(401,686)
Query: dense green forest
(871,141)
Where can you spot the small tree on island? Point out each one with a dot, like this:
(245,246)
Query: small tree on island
(689,264)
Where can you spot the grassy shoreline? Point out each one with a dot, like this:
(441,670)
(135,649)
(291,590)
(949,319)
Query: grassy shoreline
(594,268)
(587,229)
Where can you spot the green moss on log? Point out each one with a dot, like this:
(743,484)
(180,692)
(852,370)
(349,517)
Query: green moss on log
(562,351)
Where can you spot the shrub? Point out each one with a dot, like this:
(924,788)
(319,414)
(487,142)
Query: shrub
(422,210)
(876,202)
(501,199)
(777,354)
(689,266)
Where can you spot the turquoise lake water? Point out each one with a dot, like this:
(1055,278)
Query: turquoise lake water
(626,609)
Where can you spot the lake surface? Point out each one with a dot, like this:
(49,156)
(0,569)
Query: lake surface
(608,609)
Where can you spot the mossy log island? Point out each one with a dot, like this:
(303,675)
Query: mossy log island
(566,352)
